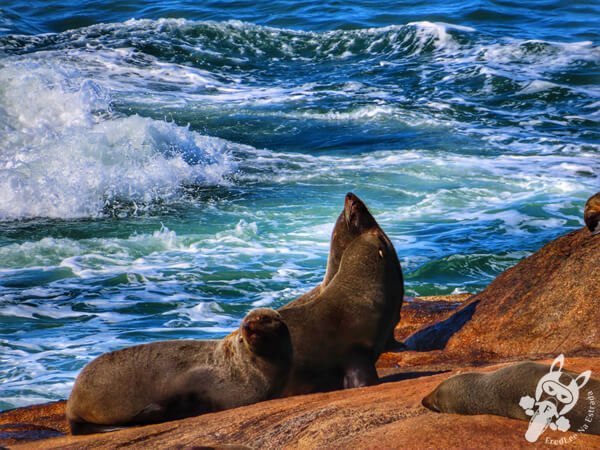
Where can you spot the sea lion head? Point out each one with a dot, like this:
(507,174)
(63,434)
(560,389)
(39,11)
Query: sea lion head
(354,219)
(453,395)
(591,213)
(266,334)
(356,215)
(430,401)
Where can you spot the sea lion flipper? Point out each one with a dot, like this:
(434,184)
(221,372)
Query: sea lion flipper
(150,413)
(360,371)
(78,428)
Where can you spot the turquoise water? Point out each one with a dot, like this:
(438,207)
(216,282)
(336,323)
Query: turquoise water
(164,168)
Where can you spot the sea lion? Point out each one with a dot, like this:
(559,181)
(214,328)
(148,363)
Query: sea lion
(338,336)
(530,391)
(354,220)
(169,380)
(591,213)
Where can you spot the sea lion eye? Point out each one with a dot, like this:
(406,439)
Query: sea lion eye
(380,253)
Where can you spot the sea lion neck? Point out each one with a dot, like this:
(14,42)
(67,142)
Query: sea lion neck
(354,220)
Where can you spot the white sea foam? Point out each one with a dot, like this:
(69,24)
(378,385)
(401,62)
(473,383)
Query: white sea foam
(145,79)
(537,86)
(45,252)
(534,55)
(437,34)
(491,188)
(63,154)
(376,113)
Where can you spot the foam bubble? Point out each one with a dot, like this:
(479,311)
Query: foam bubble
(537,86)
(428,33)
(67,156)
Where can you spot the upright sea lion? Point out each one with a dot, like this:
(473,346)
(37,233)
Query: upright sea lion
(338,336)
(591,213)
(530,391)
(169,380)
(354,220)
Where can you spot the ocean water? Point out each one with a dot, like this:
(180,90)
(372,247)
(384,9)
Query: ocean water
(166,167)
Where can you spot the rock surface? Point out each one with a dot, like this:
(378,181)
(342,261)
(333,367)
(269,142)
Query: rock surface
(33,423)
(547,304)
(386,416)
(418,312)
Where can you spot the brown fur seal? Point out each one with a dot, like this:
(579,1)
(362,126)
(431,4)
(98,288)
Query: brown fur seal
(169,380)
(530,391)
(338,336)
(591,213)
(354,220)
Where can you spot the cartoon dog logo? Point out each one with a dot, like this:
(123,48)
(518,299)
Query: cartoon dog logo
(553,399)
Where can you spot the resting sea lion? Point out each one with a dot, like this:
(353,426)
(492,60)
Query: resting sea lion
(354,220)
(169,380)
(530,391)
(338,336)
(591,213)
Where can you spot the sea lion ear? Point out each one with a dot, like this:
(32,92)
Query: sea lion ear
(583,378)
(560,361)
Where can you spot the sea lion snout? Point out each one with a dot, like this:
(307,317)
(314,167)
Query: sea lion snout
(429,402)
(356,214)
(350,207)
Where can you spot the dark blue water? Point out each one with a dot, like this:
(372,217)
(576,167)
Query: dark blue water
(165,167)
(550,20)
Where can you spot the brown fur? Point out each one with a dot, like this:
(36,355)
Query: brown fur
(338,335)
(591,213)
(173,379)
(354,219)
(499,393)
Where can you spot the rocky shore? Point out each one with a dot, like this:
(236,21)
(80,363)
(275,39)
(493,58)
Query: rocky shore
(547,304)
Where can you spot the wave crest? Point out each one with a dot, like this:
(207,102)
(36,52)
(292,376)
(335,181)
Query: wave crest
(66,155)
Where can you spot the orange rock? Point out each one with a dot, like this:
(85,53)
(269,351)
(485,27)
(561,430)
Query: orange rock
(418,312)
(386,416)
(549,303)
(33,422)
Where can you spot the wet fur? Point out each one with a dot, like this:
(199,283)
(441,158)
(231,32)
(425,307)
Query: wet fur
(338,335)
(174,379)
(591,213)
(499,393)
(356,367)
